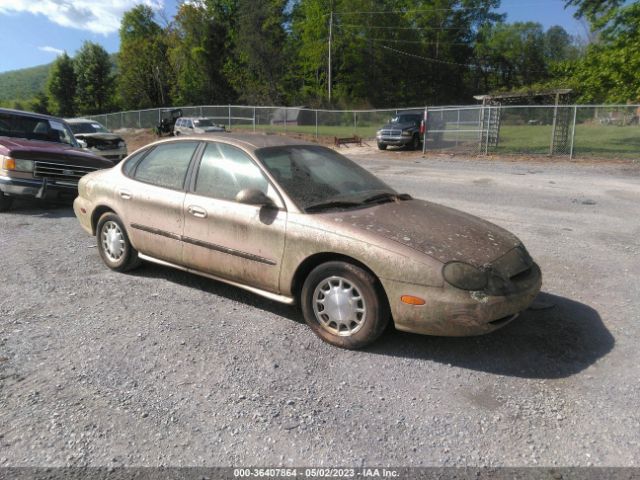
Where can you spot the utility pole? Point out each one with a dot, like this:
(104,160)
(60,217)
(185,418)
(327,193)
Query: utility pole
(330,35)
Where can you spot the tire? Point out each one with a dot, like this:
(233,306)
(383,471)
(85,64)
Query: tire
(415,143)
(5,202)
(352,292)
(114,246)
(382,146)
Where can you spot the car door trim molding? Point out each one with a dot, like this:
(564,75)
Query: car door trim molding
(200,243)
(270,295)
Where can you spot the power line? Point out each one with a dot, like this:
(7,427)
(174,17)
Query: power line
(429,59)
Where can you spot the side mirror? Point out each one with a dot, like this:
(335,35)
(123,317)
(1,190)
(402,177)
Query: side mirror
(252,196)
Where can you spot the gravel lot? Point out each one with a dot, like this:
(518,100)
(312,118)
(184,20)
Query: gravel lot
(159,367)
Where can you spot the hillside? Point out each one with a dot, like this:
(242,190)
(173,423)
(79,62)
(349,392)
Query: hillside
(24,83)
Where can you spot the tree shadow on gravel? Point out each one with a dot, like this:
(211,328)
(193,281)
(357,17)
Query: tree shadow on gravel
(554,342)
(41,208)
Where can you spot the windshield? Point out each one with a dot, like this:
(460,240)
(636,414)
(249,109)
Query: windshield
(406,119)
(34,128)
(204,122)
(87,127)
(314,175)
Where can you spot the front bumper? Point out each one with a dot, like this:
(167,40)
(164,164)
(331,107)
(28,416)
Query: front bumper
(455,313)
(397,141)
(116,154)
(37,188)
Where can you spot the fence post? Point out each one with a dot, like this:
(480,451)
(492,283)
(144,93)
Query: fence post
(553,129)
(457,128)
(425,119)
(355,123)
(286,119)
(486,142)
(121,119)
(139,118)
(316,124)
(254,119)
(573,131)
(229,117)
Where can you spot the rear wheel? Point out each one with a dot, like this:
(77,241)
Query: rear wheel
(5,202)
(344,305)
(113,244)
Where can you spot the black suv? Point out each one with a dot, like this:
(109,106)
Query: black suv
(404,130)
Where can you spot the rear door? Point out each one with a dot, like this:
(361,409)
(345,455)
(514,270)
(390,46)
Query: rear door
(232,240)
(152,200)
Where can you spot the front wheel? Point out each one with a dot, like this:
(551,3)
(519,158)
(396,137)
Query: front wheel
(344,305)
(415,143)
(382,146)
(5,202)
(114,246)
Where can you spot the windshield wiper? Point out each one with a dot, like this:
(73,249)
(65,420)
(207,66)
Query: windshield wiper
(332,204)
(387,197)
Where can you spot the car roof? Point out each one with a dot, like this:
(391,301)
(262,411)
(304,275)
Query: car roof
(252,141)
(24,113)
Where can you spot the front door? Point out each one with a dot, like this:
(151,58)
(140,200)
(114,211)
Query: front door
(153,199)
(232,240)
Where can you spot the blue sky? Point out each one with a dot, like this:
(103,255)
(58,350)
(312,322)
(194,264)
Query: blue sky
(35,31)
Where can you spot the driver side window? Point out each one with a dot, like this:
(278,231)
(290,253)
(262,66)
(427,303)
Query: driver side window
(225,171)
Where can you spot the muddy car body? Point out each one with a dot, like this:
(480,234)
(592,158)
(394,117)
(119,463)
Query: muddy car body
(40,158)
(97,139)
(298,222)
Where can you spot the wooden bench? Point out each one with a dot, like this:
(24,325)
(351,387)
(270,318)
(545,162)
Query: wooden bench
(344,141)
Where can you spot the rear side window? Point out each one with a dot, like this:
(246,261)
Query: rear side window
(166,165)
(225,170)
(132,162)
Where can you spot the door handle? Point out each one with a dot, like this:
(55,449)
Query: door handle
(125,194)
(197,211)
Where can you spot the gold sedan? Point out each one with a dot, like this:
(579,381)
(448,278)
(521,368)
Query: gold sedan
(300,223)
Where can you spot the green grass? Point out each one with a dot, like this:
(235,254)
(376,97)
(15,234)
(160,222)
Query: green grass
(603,141)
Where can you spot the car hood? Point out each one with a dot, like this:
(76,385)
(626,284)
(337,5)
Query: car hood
(98,136)
(398,126)
(52,152)
(440,232)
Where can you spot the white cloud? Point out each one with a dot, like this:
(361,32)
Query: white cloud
(97,16)
(49,49)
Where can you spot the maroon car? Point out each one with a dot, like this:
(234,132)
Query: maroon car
(40,158)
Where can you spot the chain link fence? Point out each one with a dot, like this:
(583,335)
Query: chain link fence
(602,131)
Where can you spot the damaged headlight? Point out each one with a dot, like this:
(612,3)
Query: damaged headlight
(121,144)
(464,276)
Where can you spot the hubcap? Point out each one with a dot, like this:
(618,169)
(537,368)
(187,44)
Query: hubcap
(112,241)
(339,306)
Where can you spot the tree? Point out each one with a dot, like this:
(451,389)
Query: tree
(608,72)
(40,104)
(95,83)
(259,66)
(61,86)
(513,54)
(144,71)
(200,48)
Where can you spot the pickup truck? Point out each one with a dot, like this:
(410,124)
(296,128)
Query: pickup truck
(40,158)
